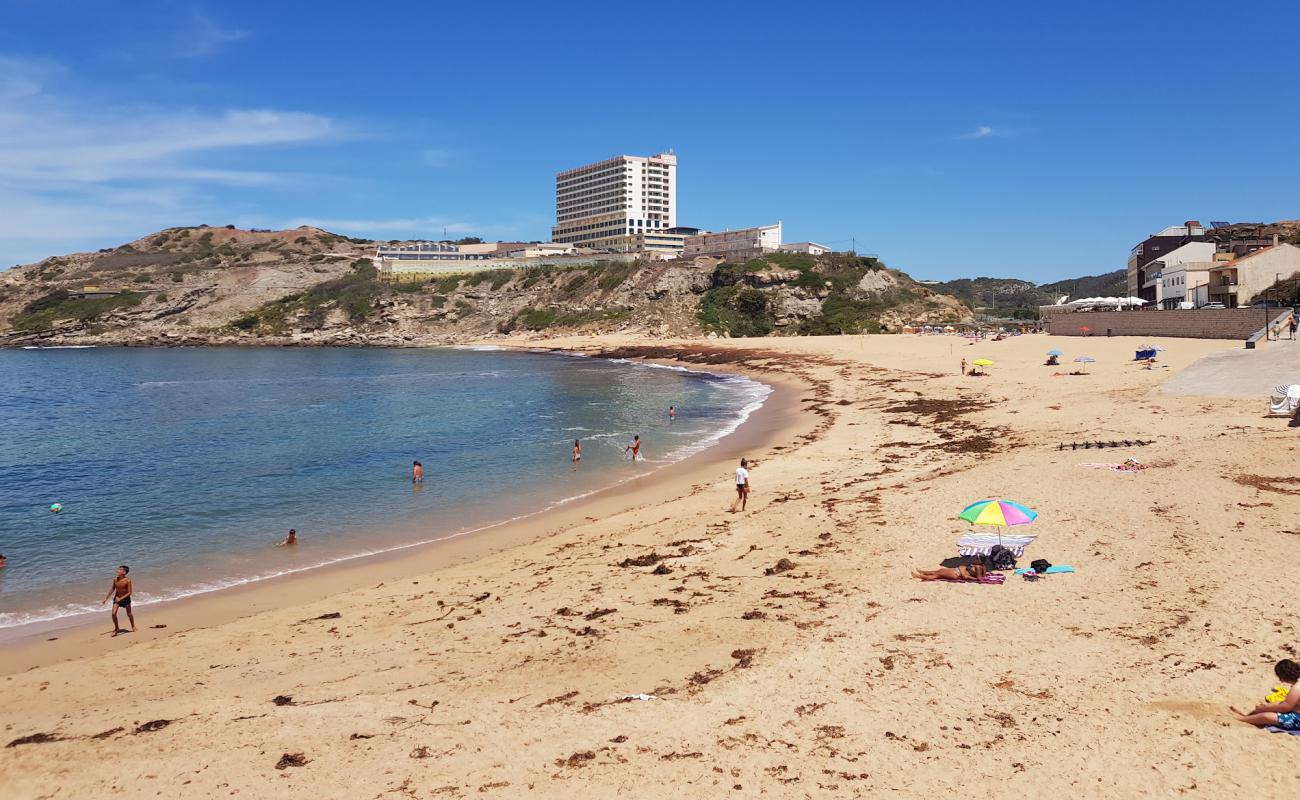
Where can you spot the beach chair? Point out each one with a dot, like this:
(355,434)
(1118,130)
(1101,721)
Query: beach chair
(1143,355)
(1285,401)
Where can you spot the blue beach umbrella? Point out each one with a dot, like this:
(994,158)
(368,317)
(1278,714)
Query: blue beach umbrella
(1057,353)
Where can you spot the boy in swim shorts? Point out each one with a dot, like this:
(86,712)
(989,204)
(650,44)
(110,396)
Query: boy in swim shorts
(120,591)
(1286,714)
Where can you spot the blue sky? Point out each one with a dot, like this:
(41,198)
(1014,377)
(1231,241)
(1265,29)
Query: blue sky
(954,139)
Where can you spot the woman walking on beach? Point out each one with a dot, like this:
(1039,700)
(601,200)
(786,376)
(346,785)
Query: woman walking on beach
(577,453)
(742,486)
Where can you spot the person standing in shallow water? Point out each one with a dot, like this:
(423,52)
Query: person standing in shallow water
(634,448)
(672,413)
(121,591)
(417,473)
(577,453)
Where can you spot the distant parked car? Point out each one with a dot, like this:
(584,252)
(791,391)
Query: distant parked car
(1268,304)
(1214,305)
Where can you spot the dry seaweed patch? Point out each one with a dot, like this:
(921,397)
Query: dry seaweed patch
(1277,485)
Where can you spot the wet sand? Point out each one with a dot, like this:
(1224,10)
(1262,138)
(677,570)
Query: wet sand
(785,650)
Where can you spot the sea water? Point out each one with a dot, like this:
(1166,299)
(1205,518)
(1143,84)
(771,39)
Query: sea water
(190,464)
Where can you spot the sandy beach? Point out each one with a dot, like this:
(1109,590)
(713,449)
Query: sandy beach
(647,643)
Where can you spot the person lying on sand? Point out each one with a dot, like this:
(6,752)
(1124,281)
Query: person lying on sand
(1284,714)
(969,572)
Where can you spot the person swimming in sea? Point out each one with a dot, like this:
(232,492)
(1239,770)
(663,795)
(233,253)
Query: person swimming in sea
(634,447)
(577,452)
(290,540)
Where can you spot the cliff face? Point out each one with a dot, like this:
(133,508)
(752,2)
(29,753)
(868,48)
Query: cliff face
(308,286)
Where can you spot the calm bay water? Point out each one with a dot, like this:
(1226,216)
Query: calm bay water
(190,464)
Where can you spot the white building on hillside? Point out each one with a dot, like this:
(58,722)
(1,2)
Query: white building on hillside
(609,204)
(807,248)
(738,245)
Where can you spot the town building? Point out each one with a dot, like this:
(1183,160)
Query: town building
(807,248)
(1252,278)
(1152,289)
(425,251)
(737,245)
(1154,248)
(1186,282)
(612,204)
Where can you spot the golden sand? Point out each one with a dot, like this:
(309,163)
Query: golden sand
(501,671)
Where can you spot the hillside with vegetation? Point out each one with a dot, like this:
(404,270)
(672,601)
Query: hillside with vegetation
(1009,298)
(200,285)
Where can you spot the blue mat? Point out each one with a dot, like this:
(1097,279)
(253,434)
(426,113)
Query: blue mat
(1052,570)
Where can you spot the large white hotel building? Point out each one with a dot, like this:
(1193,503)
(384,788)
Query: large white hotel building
(625,203)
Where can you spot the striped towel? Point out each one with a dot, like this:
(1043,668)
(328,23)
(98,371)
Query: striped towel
(979,544)
(991,578)
(1276,729)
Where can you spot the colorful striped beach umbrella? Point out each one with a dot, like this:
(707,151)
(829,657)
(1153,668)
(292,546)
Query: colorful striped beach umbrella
(997,512)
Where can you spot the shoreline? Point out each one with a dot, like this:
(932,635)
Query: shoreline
(48,642)
(671,646)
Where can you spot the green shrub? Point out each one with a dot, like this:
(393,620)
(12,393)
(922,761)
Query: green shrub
(51,309)
(614,275)
(141,279)
(739,311)
(448,284)
(437,301)
(536,319)
(498,277)
(177,277)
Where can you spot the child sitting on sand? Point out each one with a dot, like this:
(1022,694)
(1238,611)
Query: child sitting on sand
(1285,712)
(970,572)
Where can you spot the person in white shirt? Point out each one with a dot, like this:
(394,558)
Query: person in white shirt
(742,486)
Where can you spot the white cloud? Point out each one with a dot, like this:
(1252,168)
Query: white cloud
(204,36)
(52,146)
(984,132)
(73,170)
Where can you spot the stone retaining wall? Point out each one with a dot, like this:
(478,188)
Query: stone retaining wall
(1227,323)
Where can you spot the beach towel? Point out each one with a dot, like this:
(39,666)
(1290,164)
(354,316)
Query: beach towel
(979,544)
(1056,569)
(1129,465)
(1276,729)
(991,578)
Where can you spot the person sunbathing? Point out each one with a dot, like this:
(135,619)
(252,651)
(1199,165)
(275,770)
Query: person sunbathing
(1284,714)
(967,572)
(1052,361)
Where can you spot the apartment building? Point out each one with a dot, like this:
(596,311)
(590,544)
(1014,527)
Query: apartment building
(1260,275)
(1154,248)
(614,204)
(737,245)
